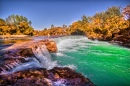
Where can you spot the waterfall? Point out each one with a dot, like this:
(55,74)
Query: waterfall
(44,57)
(59,39)
(41,59)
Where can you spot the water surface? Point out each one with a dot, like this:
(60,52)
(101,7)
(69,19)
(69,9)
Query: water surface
(105,64)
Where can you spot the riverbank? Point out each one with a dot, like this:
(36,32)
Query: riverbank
(121,38)
(2,37)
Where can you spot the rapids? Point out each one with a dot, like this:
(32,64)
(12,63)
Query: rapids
(103,63)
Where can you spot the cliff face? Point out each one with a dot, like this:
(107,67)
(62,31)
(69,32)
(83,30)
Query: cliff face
(25,64)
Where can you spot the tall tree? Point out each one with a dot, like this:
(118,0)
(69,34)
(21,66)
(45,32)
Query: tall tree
(2,22)
(126,12)
(52,26)
(16,19)
(15,24)
(113,11)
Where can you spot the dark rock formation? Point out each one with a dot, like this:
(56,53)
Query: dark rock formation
(50,45)
(19,54)
(77,32)
(42,77)
(123,37)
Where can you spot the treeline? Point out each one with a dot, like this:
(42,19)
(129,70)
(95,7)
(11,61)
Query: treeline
(15,25)
(102,26)
(106,25)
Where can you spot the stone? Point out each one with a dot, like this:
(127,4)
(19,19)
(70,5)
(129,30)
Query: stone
(43,77)
(19,54)
(50,45)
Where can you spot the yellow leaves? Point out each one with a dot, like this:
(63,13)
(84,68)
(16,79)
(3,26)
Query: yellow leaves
(75,25)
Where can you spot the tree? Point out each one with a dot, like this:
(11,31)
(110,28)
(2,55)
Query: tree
(126,12)
(113,11)
(64,26)
(52,26)
(16,19)
(84,19)
(15,24)
(45,28)
(2,22)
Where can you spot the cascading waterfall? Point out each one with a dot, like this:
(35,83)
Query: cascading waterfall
(60,44)
(44,57)
(41,59)
(60,39)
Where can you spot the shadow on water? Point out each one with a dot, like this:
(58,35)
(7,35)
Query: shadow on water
(4,43)
(2,46)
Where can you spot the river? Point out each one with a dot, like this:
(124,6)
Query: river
(105,64)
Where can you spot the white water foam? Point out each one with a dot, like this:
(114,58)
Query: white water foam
(60,82)
(72,43)
(60,54)
(72,66)
(17,65)
(44,57)
(31,64)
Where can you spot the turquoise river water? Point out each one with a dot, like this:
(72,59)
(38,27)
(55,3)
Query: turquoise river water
(103,63)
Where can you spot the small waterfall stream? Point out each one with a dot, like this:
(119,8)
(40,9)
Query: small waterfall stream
(41,59)
(44,57)
(12,62)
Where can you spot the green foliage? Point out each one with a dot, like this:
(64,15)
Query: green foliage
(15,25)
(103,26)
(126,12)
(2,22)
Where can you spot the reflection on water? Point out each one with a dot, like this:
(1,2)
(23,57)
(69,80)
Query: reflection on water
(8,42)
(12,41)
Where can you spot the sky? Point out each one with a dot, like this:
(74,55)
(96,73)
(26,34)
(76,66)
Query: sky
(44,13)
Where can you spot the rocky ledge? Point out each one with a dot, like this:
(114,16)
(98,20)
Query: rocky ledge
(21,53)
(123,38)
(50,45)
(18,55)
(57,76)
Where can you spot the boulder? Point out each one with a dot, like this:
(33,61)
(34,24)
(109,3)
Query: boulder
(36,75)
(123,37)
(50,45)
(20,53)
(42,77)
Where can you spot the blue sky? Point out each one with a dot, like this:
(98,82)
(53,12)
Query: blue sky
(44,13)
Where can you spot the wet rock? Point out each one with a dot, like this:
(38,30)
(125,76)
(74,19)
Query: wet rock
(21,53)
(50,45)
(42,77)
(123,37)
(77,32)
